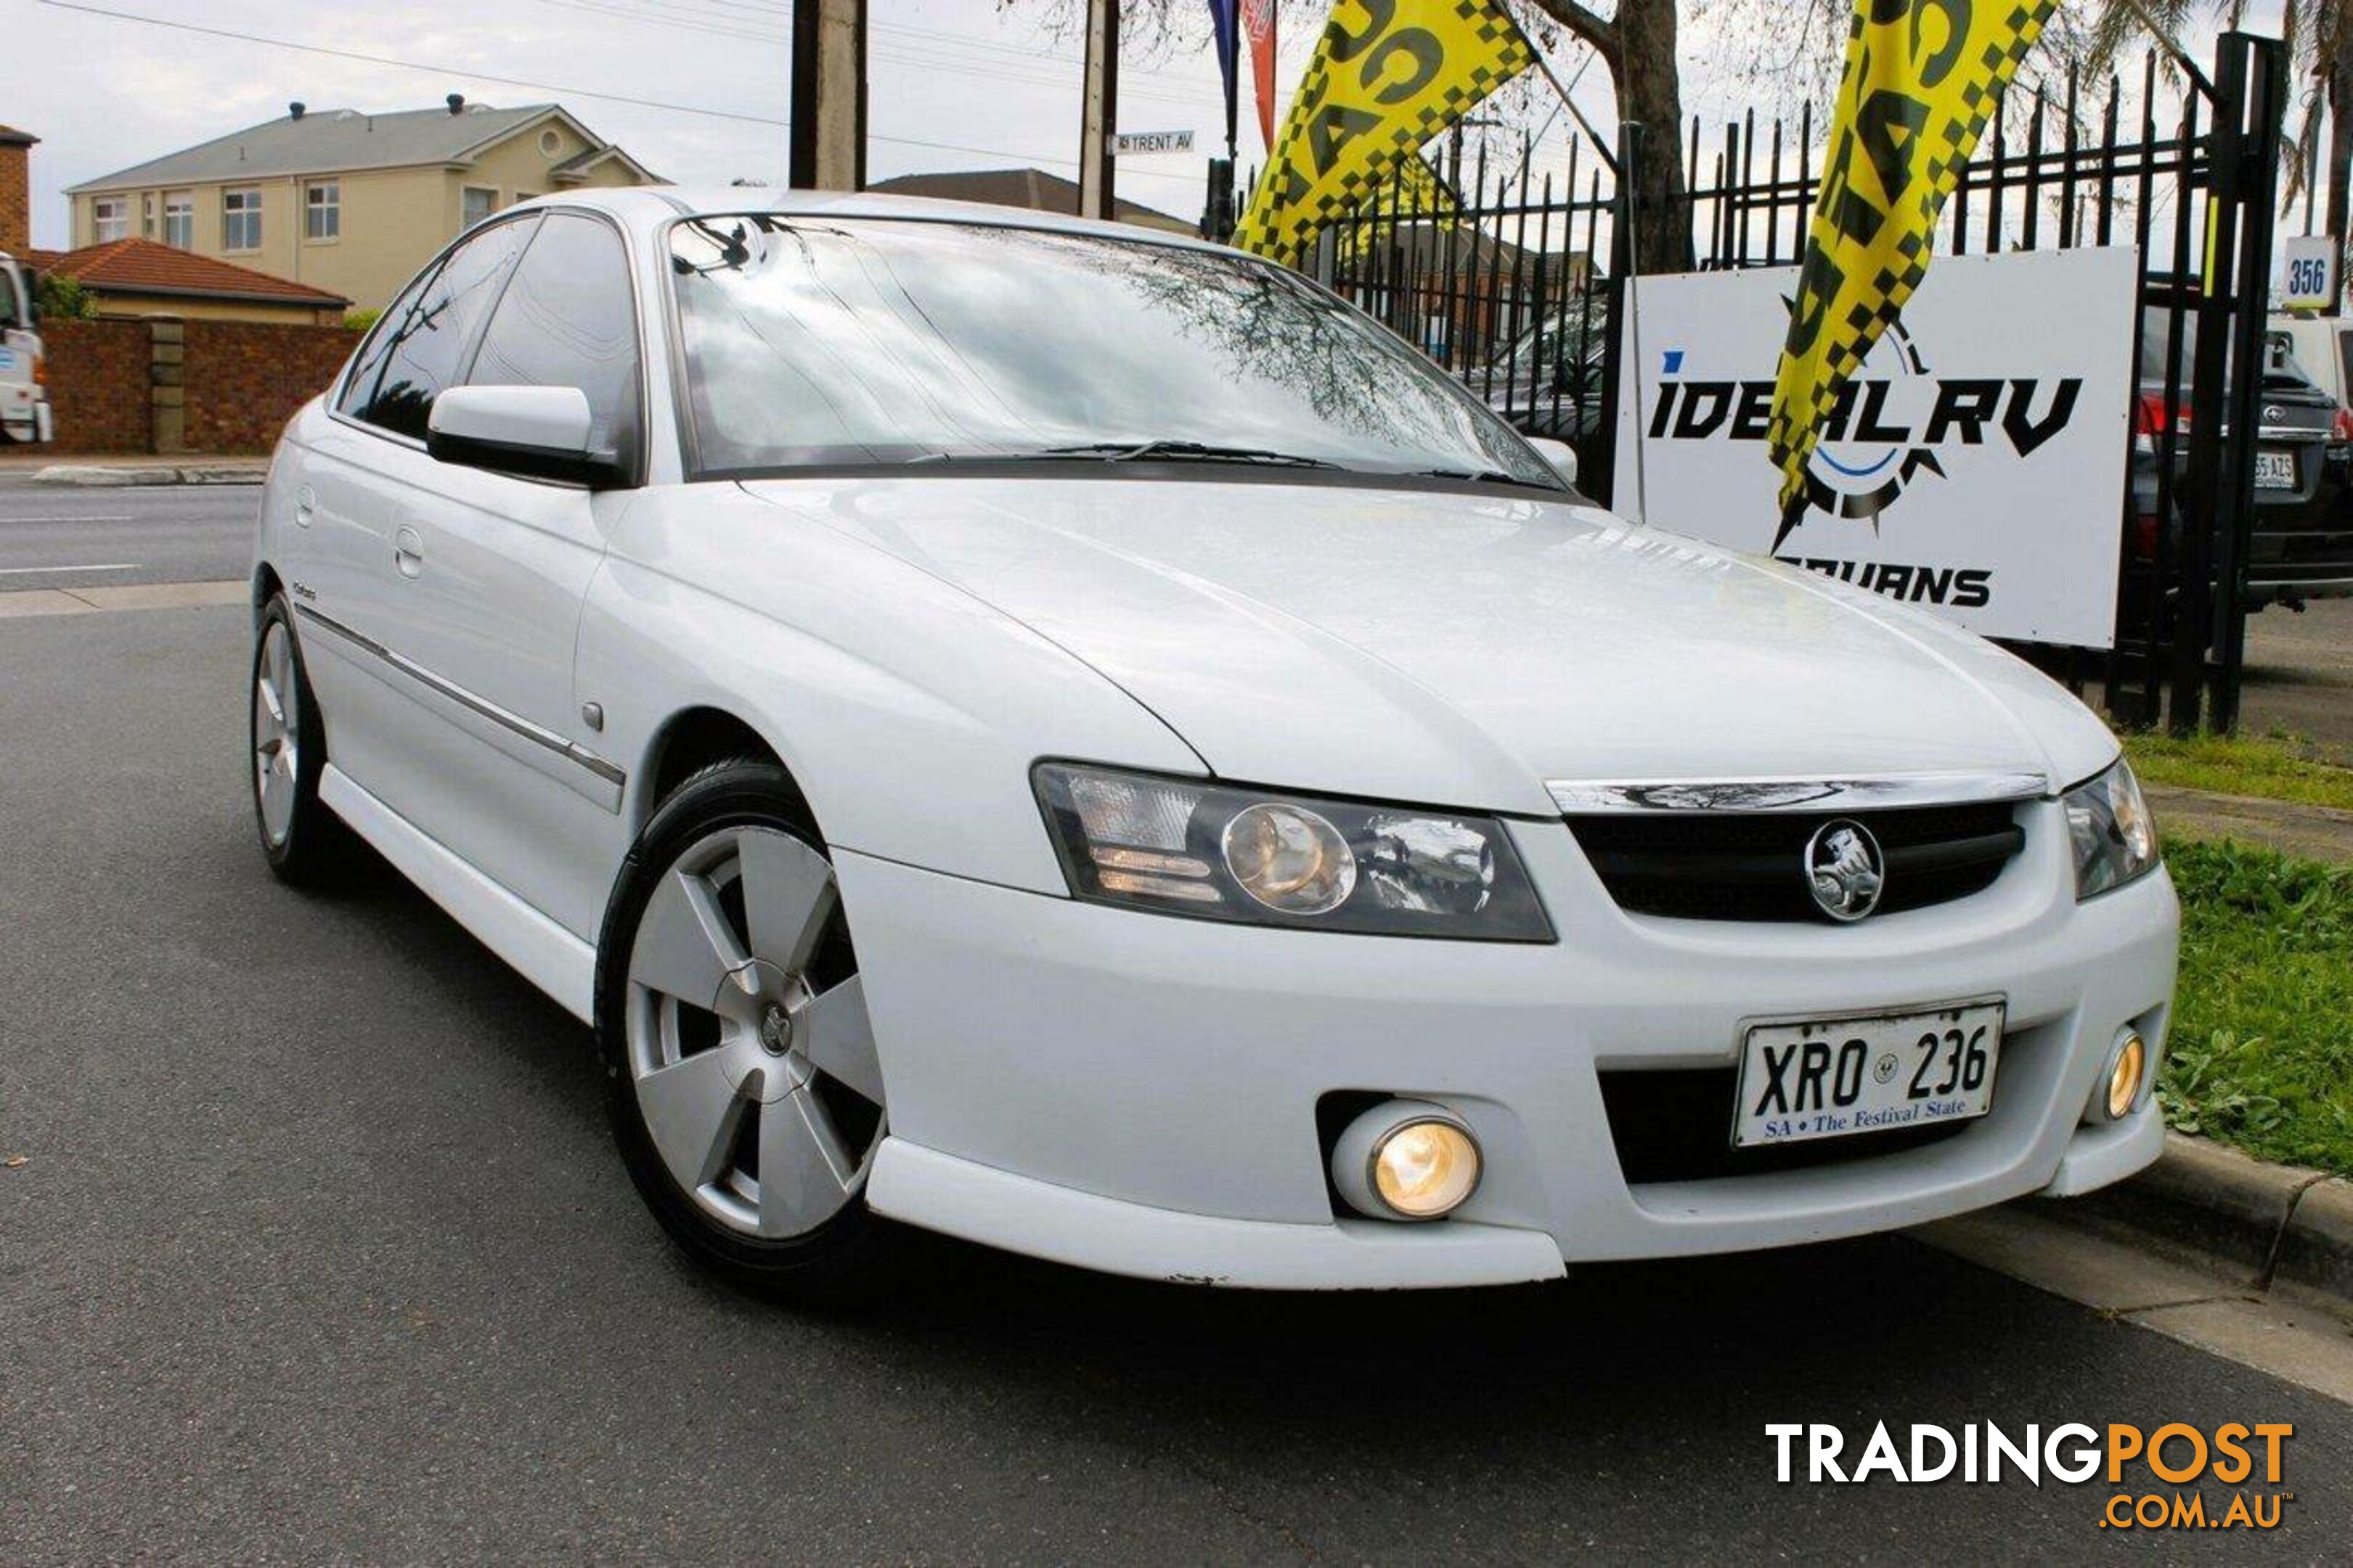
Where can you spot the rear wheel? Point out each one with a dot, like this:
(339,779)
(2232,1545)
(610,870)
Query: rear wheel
(745,1090)
(303,840)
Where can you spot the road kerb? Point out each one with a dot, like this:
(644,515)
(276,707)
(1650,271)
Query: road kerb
(2315,1250)
(2209,1200)
(118,476)
(25,603)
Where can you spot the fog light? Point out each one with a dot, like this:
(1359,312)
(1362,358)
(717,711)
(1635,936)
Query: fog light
(2127,1074)
(2124,1078)
(1404,1159)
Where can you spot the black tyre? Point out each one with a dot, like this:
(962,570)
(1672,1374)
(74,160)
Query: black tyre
(744,1087)
(306,844)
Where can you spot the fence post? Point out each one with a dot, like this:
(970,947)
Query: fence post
(2209,397)
(2255,136)
(1618,339)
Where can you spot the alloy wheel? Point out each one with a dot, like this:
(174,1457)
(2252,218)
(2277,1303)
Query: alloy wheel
(277,731)
(749,1046)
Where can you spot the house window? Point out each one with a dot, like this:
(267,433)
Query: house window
(109,218)
(475,205)
(180,219)
(323,210)
(241,220)
(147,216)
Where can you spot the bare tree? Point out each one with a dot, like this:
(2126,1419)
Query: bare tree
(1637,42)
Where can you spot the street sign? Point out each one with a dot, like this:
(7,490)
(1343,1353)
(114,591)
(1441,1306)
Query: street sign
(2311,283)
(1132,142)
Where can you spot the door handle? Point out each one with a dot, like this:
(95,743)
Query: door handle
(408,550)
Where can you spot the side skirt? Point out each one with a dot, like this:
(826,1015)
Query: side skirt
(543,952)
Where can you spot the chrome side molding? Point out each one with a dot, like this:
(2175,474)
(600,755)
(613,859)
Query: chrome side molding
(1583,797)
(516,724)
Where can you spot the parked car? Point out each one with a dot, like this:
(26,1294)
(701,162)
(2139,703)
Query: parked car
(1546,381)
(1078,739)
(2301,547)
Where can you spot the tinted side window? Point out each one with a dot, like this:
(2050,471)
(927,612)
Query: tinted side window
(367,366)
(425,349)
(567,320)
(2345,358)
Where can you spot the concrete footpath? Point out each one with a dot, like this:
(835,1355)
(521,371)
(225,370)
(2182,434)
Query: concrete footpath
(119,473)
(2292,828)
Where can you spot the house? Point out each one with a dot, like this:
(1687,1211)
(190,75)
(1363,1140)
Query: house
(131,277)
(1032,188)
(343,201)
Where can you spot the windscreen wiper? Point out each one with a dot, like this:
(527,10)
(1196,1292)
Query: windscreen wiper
(1178,452)
(1477,476)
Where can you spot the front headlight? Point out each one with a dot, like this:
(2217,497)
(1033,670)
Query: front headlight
(1186,846)
(2109,827)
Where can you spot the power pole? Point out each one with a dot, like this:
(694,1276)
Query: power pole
(828,136)
(1099,116)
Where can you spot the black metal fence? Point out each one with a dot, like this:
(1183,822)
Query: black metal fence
(1515,281)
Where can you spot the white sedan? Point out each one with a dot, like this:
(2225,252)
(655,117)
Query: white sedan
(1081,740)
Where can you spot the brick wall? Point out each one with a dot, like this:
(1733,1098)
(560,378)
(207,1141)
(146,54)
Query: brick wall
(98,386)
(214,388)
(15,198)
(244,380)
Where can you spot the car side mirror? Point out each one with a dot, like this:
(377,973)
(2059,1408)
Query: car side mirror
(1559,454)
(529,432)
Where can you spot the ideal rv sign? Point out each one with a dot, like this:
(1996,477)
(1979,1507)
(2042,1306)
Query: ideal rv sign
(1975,467)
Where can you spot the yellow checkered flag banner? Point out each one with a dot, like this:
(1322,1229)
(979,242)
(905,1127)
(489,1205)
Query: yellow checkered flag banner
(1419,195)
(1388,75)
(1923,77)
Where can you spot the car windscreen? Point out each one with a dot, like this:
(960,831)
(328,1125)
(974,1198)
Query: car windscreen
(813,340)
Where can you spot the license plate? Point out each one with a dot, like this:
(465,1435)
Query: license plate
(1829,1078)
(2275,471)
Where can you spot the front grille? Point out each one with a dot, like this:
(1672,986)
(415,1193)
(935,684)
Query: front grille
(1750,866)
(1675,1125)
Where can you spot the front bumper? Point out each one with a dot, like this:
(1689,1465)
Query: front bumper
(1138,1093)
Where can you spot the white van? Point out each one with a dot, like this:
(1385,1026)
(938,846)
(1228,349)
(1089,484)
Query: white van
(2323,347)
(24,390)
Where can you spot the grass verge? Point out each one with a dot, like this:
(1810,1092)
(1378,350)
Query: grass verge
(2262,1051)
(2272,767)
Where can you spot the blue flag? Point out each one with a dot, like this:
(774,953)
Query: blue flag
(1225,19)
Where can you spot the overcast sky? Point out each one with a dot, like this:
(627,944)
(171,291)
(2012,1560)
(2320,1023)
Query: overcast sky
(986,86)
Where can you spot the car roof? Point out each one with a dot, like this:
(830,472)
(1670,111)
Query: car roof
(644,208)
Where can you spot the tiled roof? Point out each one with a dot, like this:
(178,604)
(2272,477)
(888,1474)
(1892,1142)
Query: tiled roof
(143,267)
(1032,188)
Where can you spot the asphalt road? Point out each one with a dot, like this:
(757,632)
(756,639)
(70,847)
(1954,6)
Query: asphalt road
(319,1252)
(54,536)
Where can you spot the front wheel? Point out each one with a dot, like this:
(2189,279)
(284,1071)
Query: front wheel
(744,1087)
